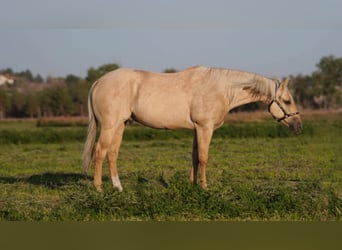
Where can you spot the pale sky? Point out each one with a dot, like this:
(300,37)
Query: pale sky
(273,38)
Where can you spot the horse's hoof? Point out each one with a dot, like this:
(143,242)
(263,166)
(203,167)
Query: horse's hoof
(98,189)
(117,183)
(119,188)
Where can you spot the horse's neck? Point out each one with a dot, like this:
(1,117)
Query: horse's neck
(253,88)
(241,97)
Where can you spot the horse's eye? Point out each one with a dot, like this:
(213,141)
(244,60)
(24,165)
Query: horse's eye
(287,102)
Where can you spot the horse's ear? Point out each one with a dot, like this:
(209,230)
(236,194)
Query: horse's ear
(284,83)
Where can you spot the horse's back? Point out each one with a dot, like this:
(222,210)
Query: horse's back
(154,99)
(160,100)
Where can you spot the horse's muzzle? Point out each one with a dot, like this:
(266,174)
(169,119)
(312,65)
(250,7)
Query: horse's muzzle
(295,124)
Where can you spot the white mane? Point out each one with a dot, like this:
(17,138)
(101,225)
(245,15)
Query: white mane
(257,85)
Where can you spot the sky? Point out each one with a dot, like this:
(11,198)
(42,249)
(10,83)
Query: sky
(273,38)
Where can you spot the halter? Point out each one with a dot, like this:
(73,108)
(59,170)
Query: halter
(285,116)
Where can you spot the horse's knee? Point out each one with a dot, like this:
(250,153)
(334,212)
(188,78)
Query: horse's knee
(98,151)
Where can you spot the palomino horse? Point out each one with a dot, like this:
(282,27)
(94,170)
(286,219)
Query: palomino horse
(197,98)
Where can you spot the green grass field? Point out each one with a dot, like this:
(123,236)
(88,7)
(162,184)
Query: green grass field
(256,171)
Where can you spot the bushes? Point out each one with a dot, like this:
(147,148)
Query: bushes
(48,135)
(59,130)
(62,122)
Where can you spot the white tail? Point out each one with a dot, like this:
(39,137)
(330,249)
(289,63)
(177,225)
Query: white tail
(91,134)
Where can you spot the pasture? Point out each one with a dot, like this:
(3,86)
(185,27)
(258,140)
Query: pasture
(257,170)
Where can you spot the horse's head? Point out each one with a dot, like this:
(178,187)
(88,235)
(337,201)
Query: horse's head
(283,108)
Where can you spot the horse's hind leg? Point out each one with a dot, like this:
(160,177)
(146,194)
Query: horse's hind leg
(113,154)
(195,162)
(101,150)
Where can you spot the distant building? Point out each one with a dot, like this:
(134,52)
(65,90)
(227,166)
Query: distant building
(6,79)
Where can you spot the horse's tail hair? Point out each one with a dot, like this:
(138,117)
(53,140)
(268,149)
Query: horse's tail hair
(91,134)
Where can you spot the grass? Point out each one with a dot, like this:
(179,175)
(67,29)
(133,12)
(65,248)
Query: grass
(256,171)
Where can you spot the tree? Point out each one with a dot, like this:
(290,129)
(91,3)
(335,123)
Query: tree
(4,103)
(8,71)
(302,87)
(94,74)
(79,94)
(18,103)
(45,103)
(328,79)
(24,76)
(170,70)
(322,89)
(38,79)
(32,105)
(72,79)
(61,102)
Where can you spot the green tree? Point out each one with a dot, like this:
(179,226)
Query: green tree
(7,71)
(78,89)
(17,104)
(32,106)
(45,103)
(170,70)
(24,76)
(38,79)
(322,89)
(61,102)
(4,103)
(328,79)
(94,74)
(55,101)
(302,87)
(72,79)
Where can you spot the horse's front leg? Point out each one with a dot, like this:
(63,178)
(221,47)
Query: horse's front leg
(204,135)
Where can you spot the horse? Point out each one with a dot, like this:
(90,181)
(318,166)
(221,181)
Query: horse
(197,98)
